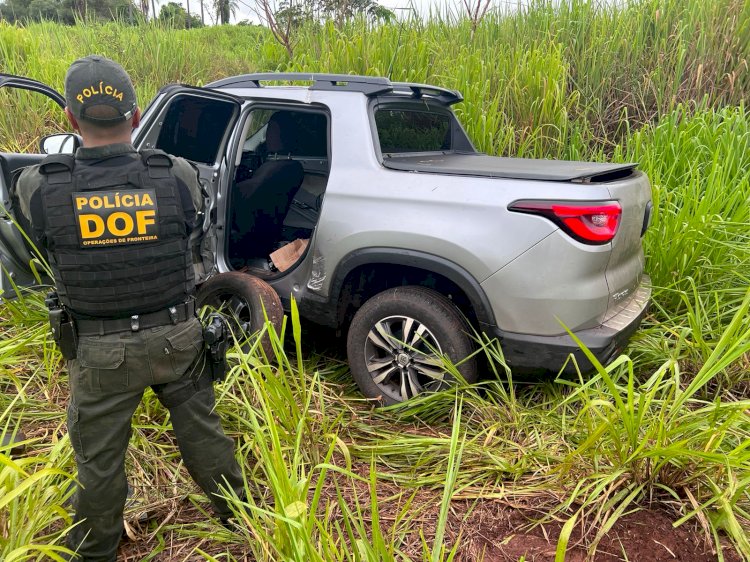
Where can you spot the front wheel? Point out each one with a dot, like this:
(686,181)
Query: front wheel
(397,341)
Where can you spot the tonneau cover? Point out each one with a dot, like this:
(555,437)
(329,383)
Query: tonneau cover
(477,164)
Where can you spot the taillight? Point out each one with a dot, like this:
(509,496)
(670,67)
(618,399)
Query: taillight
(590,223)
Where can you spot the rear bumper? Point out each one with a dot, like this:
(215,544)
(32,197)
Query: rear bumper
(549,353)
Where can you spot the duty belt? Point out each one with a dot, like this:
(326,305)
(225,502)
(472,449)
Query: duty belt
(172,315)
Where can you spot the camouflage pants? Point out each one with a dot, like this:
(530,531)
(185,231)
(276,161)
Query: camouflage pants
(107,381)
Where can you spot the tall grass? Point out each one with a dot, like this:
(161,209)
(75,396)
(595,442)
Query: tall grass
(698,246)
(562,79)
(660,82)
(320,469)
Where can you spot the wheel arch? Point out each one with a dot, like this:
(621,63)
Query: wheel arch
(376,269)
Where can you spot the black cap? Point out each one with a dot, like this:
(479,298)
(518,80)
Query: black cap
(99,90)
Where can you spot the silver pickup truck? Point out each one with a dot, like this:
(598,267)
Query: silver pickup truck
(366,202)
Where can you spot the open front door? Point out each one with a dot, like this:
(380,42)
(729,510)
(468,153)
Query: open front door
(13,81)
(195,124)
(16,259)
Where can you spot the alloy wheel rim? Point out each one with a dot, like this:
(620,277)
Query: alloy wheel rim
(403,357)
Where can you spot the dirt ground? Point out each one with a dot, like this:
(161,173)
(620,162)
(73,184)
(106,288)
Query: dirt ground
(489,530)
(492,530)
(646,535)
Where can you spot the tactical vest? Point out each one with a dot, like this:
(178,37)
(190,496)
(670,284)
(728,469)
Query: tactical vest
(116,237)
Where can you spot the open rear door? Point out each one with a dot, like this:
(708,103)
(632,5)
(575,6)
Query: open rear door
(195,124)
(16,259)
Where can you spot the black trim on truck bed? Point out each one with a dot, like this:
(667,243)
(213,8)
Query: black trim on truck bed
(483,165)
(525,352)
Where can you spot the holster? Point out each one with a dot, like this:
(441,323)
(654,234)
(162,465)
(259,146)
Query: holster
(215,340)
(63,331)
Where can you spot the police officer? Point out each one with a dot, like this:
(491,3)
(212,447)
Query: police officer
(116,224)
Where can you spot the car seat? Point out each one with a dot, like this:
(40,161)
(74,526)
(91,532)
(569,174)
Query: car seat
(261,202)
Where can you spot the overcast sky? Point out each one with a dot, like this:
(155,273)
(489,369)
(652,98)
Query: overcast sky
(401,7)
(422,6)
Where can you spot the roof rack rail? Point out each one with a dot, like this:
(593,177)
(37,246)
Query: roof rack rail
(368,85)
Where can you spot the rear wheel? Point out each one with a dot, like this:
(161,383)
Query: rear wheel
(242,299)
(397,341)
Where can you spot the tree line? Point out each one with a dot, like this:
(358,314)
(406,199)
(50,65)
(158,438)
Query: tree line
(134,11)
(288,13)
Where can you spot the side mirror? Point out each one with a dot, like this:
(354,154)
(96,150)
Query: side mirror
(60,143)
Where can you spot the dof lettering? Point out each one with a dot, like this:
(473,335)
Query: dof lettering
(119,224)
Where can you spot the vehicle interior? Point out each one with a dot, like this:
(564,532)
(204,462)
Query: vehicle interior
(279,174)
(280,177)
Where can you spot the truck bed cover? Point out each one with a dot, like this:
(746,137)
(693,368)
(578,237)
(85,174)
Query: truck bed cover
(482,165)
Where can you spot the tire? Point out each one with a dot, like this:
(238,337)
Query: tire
(392,373)
(243,298)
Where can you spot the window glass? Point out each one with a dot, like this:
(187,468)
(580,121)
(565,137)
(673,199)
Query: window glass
(256,129)
(401,130)
(28,116)
(298,133)
(194,127)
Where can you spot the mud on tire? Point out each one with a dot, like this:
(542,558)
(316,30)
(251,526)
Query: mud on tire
(395,341)
(243,298)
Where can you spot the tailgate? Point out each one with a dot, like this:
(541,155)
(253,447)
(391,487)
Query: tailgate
(626,263)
